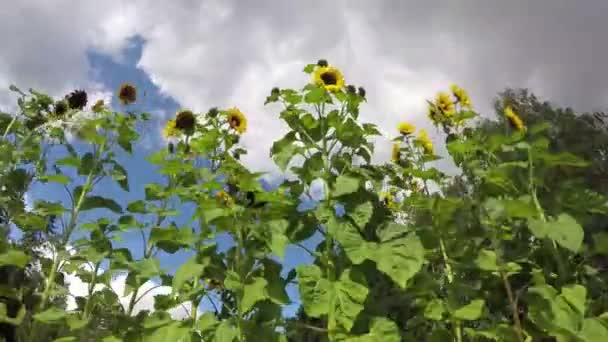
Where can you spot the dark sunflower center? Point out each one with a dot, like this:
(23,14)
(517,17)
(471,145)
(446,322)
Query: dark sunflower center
(127,92)
(329,78)
(235,122)
(184,121)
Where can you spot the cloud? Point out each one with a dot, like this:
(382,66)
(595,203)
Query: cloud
(225,53)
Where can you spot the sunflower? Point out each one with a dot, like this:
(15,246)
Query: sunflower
(424,140)
(433,114)
(61,107)
(98,106)
(185,121)
(461,95)
(77,99)
(396,153)
(223,197)
(514,120)
(237,120)
(406,128)
(445,103)
(171,130)
(214,284)
(127,93)
(387,199)
(329,77)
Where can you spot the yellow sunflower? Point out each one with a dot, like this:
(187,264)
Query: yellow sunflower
(445,103)
(461,95)
(329,77)
(237,120)
(171,130)
(433,114)
(98,106)
(424,140)
(223,197)
(406,128)
(514,120)
(396,153)
(127,93)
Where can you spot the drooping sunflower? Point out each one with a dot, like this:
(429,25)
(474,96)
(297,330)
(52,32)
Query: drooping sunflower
(77,99)
(514,120)
(185,121)
(329,77)
(461,95)
(171,130)
(396,153)
(445,103)
(127,93)
(237,120)
(424,140)
(406,128)
(433,114)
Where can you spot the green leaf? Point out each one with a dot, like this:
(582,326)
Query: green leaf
(309,68)
(357,249)
(174,331)
(50,315)
(315,95)
(225,332)
(96,202)
(278,240)
(314,290)
(381,330)
(400,259)
(575,295)
(86,164)
(253,292)
(189,269)
(362,213)
(345,185)
(348,296)
(551,312)
(435,309)
(147,268)
(75,322)
(66,339)
(471,311)
(284,149)
(138,206)
(593,331)
(564,230)
(487,261)
(119,174)
(14,257)
(61,179)
(111,339)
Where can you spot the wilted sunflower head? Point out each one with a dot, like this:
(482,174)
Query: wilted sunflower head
(514,120)
(329,77)
(445,103)
(237,120)
(77,99)
(424,140)
(127,93)
(461,95)
(98,106)
(212,112)
(396,153)
(171,130)
(185,121)
(406,128)
(61,107)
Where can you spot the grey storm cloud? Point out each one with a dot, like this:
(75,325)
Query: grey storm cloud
(224,53)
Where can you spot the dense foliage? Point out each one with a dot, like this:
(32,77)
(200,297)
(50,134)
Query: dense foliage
(512,248)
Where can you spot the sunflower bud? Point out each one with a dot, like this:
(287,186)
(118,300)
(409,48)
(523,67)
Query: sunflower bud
(362,92)
(213,112)
(127,93)
(451,137)
(98,106)
(171,148)
(236,155)
(351,89)
(322,63)
(275,91)
(61,107)
(77,99)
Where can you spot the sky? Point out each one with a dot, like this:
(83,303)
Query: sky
(200,54)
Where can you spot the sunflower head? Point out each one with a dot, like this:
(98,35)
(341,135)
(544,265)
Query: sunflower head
(223,197)
(171,130)
(61,107)
(406,128)
(329,78)
(361,92)
(322,62)
(396,153)
(445,103)
(185,121)
(77,99)
(461,95)
(514,120)
(98,106)
(237,120)
(214,284)
(424,140)
(127,93)
(434,114)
